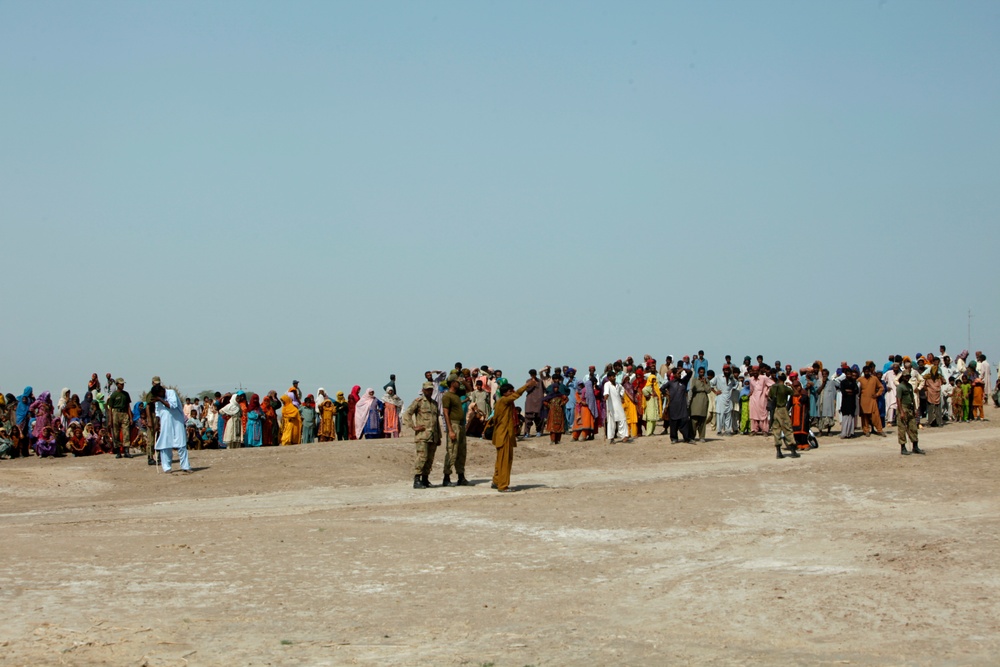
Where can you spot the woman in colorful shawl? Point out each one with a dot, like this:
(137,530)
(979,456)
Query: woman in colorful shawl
(629,405)
(366,423)
(977,396)
(556,422)
(20,442)
(308,413)
(585,412)
(99,407)
(651,399)
(291,422)
(255,423)
(61,405)
(76,442)
(271,432)
(393,408)
(244,414)
(327,421)
(6,444)
(23,413)
(340,421)
(799,412)
(87,409)
(745,408)
(638,384)
(232,435)
(353,429)
(45,445)
(42,410)
(93,440)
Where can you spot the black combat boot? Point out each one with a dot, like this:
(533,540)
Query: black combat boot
(418,483)
(917,450)
(426,482)
(793,452)
(463,482)
(777,448)
(903,450)
(447,481)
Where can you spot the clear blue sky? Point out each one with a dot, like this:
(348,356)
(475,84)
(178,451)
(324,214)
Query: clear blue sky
(246,192)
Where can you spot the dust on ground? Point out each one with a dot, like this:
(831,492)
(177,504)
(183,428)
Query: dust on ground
(647,553)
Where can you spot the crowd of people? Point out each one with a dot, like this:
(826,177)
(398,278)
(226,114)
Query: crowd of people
(625,400)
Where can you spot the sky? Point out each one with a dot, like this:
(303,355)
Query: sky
(239,194)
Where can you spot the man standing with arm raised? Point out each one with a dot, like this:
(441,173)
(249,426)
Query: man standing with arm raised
(505,433)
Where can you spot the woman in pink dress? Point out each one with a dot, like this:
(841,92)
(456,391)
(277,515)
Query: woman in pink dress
(758,401)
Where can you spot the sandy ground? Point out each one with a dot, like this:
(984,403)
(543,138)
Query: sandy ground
(642,554)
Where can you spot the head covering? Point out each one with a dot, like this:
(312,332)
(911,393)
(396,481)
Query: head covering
(362,409)
(589,398)
(254,402)
(391,398)
(288,409)
(340,397)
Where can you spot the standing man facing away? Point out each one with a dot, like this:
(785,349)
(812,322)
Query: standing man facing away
(505,433)
(454,419)
(422,416)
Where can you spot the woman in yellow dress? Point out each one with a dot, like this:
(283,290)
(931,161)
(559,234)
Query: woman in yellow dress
(291,422)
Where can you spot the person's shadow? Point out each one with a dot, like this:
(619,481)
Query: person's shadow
(512,487)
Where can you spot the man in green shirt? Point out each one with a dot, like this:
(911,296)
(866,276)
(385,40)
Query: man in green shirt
(454,419)
(906,419)
(120,406)
(781,425)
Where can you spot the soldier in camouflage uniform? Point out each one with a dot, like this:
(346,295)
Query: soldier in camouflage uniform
(781,425)
(422,416)
(906,419)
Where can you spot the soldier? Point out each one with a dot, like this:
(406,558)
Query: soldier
(781,425)
(454,419)
(152,422)
(906,419)
(422,416)
(120,404)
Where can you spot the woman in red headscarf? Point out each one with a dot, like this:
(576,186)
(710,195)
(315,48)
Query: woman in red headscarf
(254,433)
(352,403)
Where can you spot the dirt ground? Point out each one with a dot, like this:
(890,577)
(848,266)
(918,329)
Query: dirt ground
(643,554)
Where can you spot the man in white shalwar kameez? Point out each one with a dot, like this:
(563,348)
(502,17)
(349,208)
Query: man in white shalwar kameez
(613,393)
(173,435)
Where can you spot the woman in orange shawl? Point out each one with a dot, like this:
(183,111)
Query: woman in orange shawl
(291,422)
